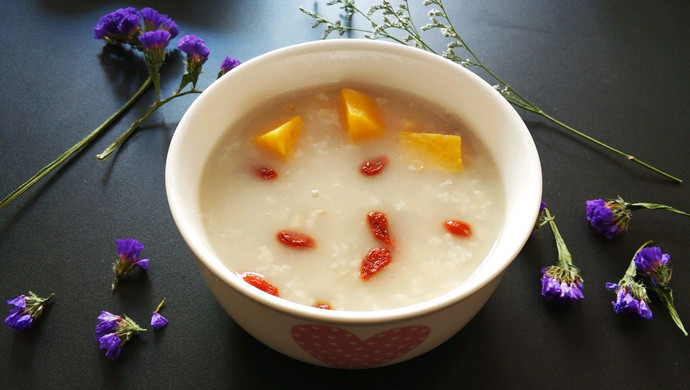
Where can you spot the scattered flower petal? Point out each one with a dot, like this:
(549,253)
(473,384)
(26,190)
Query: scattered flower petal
(228,64)
(113,331)
(25,309)
(128,251)
(158,321)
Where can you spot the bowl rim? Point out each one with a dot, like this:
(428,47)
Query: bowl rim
(232,279)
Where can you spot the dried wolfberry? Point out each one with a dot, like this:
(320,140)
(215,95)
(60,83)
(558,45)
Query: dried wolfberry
(378,222)
(325,306)
(295,239)
(375,261)
(258,281)
(265,172)
(374,166)
(458,228)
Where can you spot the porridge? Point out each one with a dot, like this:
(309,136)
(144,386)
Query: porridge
(351,198)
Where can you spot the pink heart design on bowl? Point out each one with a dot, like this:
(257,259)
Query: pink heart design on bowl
(341,348)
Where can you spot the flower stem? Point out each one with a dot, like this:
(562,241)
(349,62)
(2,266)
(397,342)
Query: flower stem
(565,259)
(406,25)
(74,149)
(124,136)
(666,295)
(160,305)
(655,206)
(610,148)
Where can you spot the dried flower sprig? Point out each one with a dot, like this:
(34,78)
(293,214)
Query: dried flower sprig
(655,268)
(26,309)
(396,24)
(113,331)
(631,295)
(560,283)
(128,251)
(157,320)
(611,217)
(149,32)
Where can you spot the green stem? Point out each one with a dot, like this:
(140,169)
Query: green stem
(565,259)
(520,101)
(124,136)
(655,206)
(74,149)
(627,156)
(666,295)
(159,306)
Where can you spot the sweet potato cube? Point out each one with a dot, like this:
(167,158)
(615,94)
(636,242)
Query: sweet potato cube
(360,115)
(281,139)
(439,151)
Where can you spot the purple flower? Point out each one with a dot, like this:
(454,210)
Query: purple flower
(154,20)
(654,264)
(25,309)
(119,26)
(154,40)
(158,321)
(197,54)
(107,323)
(561,284)
(111,343)
(128,251)
(608,219)
(630,299)
(194,47)
(611,217)
(113,331)
(19,320)
(228,64)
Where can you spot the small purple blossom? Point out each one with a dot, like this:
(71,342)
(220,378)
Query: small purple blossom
(195,48)
(128,251)
(630,300)
(107,323)
(228,64)
(654,264)
(154,40)
(25,309)
(157,320)
(118,26)
(111,343)
(561,284)
(113,331)
(611,217)
(19,320)
(197,54)
(608,219)
(154,20)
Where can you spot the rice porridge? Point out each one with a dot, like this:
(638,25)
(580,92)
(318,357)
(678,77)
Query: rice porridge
(351,199)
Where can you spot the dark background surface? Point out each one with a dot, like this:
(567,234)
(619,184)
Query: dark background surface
(618,70)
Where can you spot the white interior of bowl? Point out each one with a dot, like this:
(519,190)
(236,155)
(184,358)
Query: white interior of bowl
(390,65)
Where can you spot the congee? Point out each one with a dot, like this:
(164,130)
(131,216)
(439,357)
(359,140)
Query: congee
(351,198)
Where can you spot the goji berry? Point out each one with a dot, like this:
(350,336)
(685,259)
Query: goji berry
(295,239)
(258,281)
(378,222)
(375,261)
(265,172)
(458,228)
(374,166)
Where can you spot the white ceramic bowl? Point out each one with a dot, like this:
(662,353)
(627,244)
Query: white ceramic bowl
(354,339)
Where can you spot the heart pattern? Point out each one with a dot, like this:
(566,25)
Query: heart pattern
(341,348)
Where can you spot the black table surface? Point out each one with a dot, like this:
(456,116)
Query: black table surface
(616,70)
